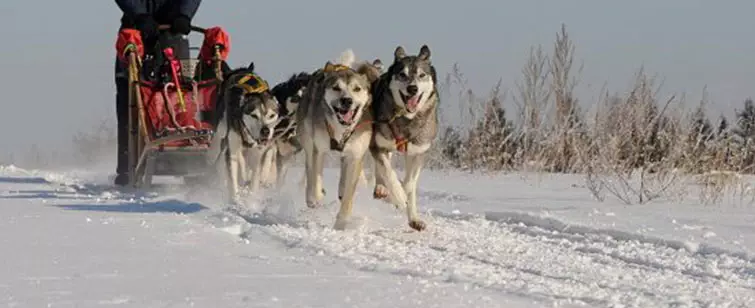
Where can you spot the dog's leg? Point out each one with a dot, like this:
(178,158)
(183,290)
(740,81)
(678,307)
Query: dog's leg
(281,166)
(216,144)
(267,169)
(244,171)
(381,190)
(255,170)
(413,168)
(384,173)
(342,178)
(314,166)
(363,177)
(350,166)
(234,157)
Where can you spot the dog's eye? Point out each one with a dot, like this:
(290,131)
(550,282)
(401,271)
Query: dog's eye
(403,75)
(423,75)
(336,88)
(357,89)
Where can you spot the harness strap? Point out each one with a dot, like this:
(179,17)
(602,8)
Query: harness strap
(338,145)
(398,138)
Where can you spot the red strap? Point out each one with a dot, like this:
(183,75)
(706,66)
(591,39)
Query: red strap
(401,144)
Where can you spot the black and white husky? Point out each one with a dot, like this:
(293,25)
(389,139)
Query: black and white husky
(286,145)
(246,115)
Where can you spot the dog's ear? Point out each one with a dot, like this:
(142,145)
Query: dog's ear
(251,66)
(234,98)
(424,52)
(378,65)
(328,66)
(399,53)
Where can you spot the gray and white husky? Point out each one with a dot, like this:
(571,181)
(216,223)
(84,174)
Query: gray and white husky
(405,103)
(275,161)
(246,114)
(336,115)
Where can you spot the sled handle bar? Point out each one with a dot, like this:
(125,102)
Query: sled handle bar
(193,28)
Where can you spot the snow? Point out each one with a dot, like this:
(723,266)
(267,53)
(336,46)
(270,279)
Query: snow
(514,240)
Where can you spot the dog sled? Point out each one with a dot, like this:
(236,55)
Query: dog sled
(171,105)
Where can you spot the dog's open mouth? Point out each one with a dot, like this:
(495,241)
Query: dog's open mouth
(265,136)
(345,116)
(411,102)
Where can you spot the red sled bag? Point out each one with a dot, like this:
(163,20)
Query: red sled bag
(129,40)
(215,36)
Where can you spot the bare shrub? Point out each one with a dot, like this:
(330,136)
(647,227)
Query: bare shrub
(631,147)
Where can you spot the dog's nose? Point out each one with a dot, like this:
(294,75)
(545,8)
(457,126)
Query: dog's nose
(346,102)
(265,131)
(412,90)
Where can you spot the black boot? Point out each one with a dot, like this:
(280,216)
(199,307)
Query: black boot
(121,110)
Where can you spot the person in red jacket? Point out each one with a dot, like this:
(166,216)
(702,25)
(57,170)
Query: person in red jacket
(145,16)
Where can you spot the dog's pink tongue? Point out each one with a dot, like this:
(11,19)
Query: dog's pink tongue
(347,117)
(412,102)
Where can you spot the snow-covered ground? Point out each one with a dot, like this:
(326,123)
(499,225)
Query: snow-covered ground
(70,240)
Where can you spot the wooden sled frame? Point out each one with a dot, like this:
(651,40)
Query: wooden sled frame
(144,152)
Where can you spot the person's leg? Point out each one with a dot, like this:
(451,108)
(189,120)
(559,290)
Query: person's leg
(121,110)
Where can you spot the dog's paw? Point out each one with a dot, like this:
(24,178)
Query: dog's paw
(340,224)
(417,225)
(235,201)
(380,192)
(314,204)
(351,223)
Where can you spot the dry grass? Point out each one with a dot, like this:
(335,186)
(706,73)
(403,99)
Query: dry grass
(635,146)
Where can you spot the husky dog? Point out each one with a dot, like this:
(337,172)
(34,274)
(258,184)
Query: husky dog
(405,108)
(336,115)
(246,114)
(288,93)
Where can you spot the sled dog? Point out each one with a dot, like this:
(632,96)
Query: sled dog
(246,115)
(288,93)
(404,104)
(335,114)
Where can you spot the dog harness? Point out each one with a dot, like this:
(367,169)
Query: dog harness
(338,144)
(400,141)
(252,84)
(330,67)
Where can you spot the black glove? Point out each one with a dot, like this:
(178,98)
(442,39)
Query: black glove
(147,26)
(181,25)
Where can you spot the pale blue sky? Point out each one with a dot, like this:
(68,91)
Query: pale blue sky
(57,56)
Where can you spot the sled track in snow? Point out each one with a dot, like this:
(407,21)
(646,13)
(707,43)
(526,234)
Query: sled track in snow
(591,269)
(520,255)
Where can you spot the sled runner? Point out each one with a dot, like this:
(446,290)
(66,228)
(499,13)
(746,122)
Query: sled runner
(171,104)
